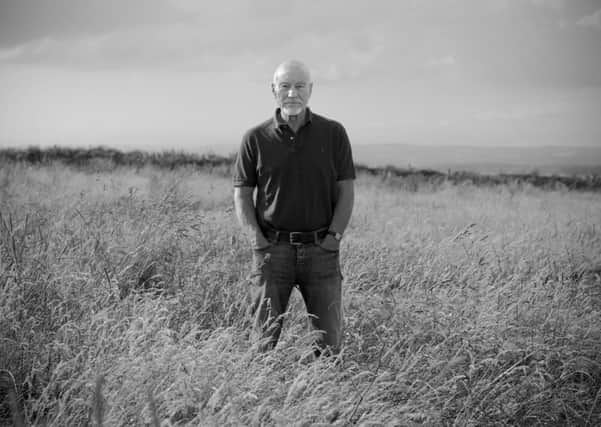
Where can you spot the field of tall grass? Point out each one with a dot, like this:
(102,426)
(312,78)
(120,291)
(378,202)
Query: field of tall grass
(123,301)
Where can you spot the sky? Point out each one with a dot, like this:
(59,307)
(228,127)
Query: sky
(188,74)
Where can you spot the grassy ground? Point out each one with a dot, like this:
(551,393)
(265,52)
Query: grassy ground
(123,302)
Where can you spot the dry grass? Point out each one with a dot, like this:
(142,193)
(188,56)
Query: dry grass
(123,302)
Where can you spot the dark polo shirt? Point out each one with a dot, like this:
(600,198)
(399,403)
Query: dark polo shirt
(295,174)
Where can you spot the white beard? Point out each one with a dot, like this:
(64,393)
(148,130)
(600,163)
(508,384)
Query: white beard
(292,110)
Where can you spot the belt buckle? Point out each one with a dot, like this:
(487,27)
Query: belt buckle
(295,238)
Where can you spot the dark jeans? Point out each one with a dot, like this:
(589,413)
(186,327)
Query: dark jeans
(316,271)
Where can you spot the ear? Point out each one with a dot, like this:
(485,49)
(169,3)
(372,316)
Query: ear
(273,90)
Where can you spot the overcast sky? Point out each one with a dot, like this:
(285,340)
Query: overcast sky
(185,73)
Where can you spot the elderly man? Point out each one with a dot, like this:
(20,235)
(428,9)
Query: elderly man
(301,166)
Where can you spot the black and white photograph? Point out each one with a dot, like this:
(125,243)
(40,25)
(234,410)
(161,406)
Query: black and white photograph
(320,213)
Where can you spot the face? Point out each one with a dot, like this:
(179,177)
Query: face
(292,90)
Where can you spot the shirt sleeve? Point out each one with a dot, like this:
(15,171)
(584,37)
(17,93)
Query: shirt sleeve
(245,170)
(345,167)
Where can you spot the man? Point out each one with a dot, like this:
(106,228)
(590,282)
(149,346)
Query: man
(300,165)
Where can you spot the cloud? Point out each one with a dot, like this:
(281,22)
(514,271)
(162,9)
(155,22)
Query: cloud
(338,39)
(335,54)
(520,112)
(177,46)
(25,21)
(443,61)
(591,21)
(552,4)
(518,43)
(116,49)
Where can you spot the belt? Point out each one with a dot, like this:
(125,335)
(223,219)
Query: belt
(296,237)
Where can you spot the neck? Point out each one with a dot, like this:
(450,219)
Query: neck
(294,120)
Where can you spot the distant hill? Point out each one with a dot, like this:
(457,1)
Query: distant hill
(543,160)
(489,160)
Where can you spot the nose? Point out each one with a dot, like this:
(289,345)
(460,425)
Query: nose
(292,92)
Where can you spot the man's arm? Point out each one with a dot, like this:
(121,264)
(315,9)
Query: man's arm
(342,212)
(245,211)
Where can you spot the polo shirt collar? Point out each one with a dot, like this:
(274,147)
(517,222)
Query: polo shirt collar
(279,122)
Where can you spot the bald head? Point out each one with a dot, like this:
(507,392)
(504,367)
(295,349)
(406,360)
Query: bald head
(292,66)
